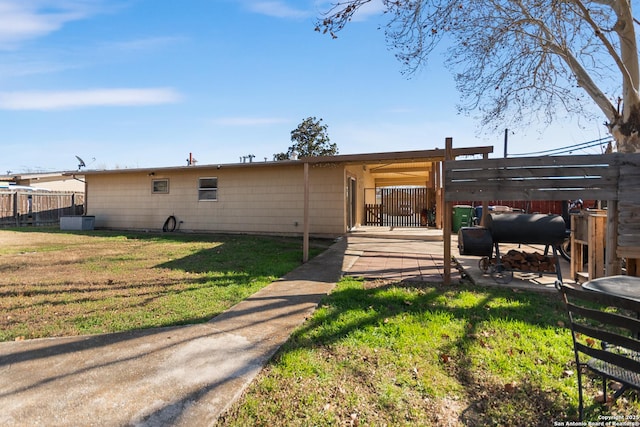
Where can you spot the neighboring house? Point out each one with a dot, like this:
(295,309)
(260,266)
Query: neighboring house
(52,181)
(40,198)
(265,197)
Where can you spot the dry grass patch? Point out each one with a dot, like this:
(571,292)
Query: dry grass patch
(56,284)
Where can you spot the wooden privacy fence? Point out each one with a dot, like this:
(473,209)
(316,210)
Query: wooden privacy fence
(21,208)
(611,177)
(533,178)
(629,207)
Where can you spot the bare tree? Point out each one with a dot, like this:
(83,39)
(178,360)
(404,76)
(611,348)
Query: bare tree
(516,61)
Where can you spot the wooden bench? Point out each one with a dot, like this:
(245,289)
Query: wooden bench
(605,329)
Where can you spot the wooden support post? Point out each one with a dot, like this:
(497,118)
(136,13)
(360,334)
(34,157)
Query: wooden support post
(485,203)
(433,181)
(613,266)
(305,232)
(85,200)
(438,194)
(16,208)
(596,224)
(577,240)
(633,267)
(447,217)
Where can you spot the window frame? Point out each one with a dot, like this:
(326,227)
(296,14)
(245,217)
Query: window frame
(158,180)
(209,190)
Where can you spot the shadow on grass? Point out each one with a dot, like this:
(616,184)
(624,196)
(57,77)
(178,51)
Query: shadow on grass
(485,395)
(33,368)
(230,271)
(155,235)
(268,313)
(212,356)
(177,236)
(129,294)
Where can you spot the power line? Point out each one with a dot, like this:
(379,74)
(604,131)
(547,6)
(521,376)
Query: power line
(597,144)
(568,148)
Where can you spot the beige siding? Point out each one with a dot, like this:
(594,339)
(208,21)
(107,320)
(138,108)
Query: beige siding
(64,184)
(364,180)
(262,199)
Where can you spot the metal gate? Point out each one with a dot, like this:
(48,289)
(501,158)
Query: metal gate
(398,207)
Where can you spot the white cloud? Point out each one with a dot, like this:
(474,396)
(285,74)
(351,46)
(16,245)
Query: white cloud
(276,9)
(146,43)
(27,62)
(22,20)
(59,100)
(281,9)
(18,66)
(249,121)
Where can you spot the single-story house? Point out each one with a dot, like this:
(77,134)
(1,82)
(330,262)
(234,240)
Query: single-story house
(45,181)
(326,195)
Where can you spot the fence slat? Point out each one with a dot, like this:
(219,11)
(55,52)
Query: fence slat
(525,194)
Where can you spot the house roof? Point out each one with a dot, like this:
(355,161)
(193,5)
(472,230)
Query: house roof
(402,161)
(44,176)
(436,154)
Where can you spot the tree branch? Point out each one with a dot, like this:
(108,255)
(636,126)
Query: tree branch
(581,74)
(627,78)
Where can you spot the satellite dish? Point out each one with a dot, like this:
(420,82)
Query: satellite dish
(81,163)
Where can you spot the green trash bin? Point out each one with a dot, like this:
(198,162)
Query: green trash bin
(462,217)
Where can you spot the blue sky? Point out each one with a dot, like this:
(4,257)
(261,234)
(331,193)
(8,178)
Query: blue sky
(142,83)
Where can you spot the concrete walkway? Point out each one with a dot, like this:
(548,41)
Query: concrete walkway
(396,257)
(178,376)
(188,376)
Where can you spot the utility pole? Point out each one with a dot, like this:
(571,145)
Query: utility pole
(506,138)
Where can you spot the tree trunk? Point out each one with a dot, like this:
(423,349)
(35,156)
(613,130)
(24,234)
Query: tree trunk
(627,133)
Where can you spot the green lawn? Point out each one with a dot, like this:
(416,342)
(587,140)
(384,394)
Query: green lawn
(55,283)
(425,355)
(370,355)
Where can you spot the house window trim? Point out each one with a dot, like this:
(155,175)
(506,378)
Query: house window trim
(153,189)
(200,188)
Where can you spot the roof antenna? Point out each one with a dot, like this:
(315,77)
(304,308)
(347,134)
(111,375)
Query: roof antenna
(81,163)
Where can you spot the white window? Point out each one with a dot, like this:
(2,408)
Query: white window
(208,188)
(160,186)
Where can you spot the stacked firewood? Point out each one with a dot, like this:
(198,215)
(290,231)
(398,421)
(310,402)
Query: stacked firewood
(525,261)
